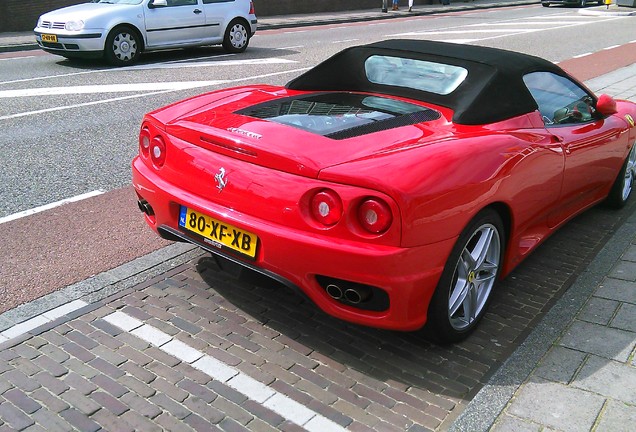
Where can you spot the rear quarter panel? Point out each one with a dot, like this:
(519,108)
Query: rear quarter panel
(439,187)
(627,109)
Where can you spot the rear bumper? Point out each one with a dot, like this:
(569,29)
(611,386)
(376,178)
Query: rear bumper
(299,259)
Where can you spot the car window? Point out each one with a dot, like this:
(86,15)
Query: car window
(131,2)
(422,75)
(182,2)
(341,115)
(560,100)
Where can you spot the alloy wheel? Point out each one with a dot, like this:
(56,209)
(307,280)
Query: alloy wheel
(475,275)
(630,173)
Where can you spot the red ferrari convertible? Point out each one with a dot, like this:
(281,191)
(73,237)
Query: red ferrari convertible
(395,182)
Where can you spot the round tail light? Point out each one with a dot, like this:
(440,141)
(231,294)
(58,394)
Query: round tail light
(375,215)
(144,142)
(326,207)
(157,151)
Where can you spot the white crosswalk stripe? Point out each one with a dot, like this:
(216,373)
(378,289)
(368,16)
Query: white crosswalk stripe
(475,32)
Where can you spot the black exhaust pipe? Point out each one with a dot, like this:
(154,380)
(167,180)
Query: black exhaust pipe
(145,207)
(361,296)
(334,291)
(357,295)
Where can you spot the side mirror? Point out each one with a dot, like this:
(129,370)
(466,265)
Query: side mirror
(157,4)
(606,105)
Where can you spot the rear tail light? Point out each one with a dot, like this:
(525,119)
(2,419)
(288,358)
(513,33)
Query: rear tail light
(326,207)
(144,142)
(157,152)
(251,8)
(375,215)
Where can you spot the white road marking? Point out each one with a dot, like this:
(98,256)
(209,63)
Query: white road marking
(451,32)
(462,41)
(199,64)
(53,76)
(220,371)
(37,321)
(66,107)
(213,367)
(345,41)
(50,206)
(542,23)
(167,65)
(513,23)
(61,108)
(108,88)
(16,58)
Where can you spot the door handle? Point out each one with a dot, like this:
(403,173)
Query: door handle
(554,139)
(197,11)
(556,144)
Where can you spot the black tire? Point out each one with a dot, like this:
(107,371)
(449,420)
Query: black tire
(545,4)
(464,274)
(237,36)
(123,46)
(625,182)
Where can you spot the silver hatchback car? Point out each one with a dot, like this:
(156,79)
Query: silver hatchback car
(120,30)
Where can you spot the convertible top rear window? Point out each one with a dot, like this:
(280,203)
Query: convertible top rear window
(422,75)
(341,115)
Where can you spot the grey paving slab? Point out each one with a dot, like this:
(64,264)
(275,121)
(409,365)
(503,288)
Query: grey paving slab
(560,364)
(599,311)
(557,406)
(617,417)
(615,380)
(603,341)
(624,318)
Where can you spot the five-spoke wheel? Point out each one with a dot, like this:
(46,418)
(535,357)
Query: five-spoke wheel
(624,184)
(468,279)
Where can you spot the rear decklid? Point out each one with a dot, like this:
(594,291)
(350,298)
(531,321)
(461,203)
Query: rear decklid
(302,132)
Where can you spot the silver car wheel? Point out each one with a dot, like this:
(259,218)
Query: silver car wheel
(630,173)
(238,36)
(475,275)
(124,47)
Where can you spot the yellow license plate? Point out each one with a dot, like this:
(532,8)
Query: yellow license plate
(49,38)
(218,234)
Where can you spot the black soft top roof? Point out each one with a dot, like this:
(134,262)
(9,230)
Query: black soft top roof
(493,90)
